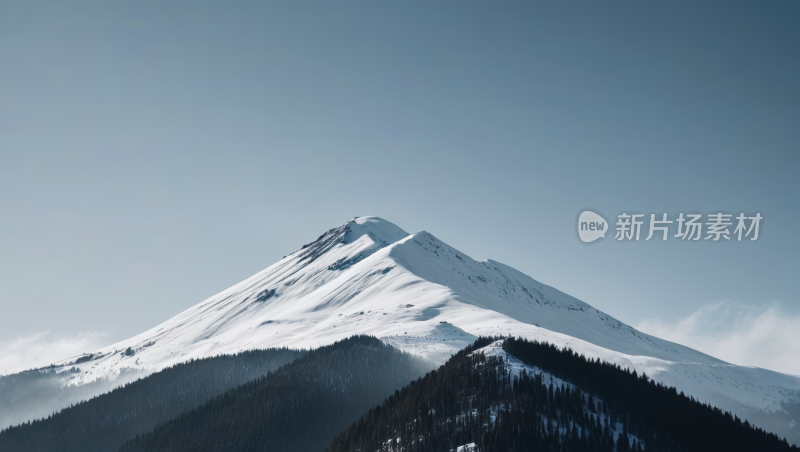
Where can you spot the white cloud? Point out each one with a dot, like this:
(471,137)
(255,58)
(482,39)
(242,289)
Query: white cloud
(762,336)
(41,349)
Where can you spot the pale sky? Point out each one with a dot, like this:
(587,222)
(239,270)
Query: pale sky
(154,153)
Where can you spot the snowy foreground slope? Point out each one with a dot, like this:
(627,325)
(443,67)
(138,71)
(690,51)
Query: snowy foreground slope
(415,292)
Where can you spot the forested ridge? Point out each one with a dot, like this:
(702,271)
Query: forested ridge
(299,407)
(286,400)
(477,399)
(104,422)
(660,410)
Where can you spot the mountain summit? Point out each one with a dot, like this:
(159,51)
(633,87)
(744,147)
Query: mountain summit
(415,292)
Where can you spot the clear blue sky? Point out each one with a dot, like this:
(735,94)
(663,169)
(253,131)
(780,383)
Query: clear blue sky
(155,153)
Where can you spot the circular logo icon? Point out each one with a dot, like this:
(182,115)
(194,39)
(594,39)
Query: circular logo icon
(591,226)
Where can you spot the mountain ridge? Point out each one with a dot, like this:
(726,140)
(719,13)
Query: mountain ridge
(415,292)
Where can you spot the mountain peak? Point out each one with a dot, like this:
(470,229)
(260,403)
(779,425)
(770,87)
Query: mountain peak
(379,230)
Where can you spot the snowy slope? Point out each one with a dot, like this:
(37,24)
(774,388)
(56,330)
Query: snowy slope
(368,276)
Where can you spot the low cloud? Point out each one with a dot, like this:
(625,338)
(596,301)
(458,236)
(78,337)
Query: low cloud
(44,348)
(762,336)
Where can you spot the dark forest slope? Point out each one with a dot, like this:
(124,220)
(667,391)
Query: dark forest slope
(103,423)
(478,399)
(299,407)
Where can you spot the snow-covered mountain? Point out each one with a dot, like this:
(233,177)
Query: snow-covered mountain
(415,292)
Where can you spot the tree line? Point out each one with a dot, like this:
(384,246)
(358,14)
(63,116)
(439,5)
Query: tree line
(478,399)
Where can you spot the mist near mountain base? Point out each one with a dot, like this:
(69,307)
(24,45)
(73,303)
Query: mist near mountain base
(43,348)
(766,336)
